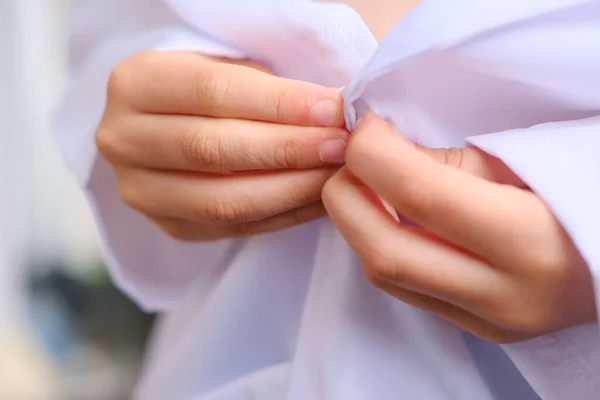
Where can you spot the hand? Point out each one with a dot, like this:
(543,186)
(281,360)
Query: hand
(209,148)
(484,252)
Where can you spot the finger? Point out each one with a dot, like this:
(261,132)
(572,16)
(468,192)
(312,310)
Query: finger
(218,199)
(405,256)
(479,215)
(224,145)
(461,318)
(188,83)
(193,231)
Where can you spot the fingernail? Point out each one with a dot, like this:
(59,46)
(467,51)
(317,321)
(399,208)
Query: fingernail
(333,151)
(326,112)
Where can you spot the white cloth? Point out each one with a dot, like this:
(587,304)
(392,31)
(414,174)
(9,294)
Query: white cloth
(290,315)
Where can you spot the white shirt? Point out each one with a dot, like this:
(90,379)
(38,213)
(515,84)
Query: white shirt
(290,315)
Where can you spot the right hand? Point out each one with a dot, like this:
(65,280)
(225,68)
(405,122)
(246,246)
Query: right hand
(209,148)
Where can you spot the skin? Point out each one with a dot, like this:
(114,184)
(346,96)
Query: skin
(484,252)
(379,15)
(209,148)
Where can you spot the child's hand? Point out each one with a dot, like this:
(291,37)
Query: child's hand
(208,148)
(490,256)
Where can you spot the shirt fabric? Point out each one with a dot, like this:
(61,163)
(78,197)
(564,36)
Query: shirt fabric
(290,315)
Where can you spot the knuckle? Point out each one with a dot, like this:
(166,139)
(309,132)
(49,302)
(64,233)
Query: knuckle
(379,265)
(287,154)
(545,268)
(551,275)
(205,151)
(548,268)
(213,87)
(283,99)
(300,193)
(118,82)
(532,253)
(296,194)
(122,76)
(107,142)
(224,210)
(537,320)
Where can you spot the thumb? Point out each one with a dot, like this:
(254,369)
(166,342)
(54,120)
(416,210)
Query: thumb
(475,162)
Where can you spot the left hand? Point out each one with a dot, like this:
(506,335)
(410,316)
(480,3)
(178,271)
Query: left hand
(488,254)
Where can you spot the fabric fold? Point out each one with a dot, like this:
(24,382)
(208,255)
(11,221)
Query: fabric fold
(529,94)
(518,79)
(485,44)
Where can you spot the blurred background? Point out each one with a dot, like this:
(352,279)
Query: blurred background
(65,331)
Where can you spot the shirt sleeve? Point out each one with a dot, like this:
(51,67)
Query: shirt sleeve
(155,270)
(560,162)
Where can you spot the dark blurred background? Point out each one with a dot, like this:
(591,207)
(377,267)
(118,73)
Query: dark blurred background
(65,331)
